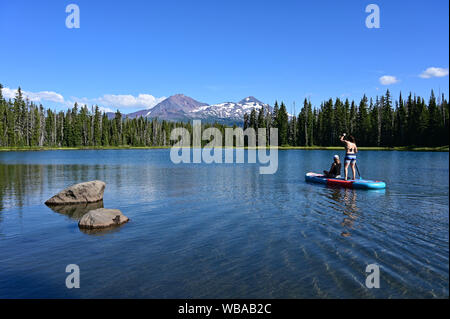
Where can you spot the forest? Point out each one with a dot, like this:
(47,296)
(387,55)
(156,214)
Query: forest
(25,124)
(374,122)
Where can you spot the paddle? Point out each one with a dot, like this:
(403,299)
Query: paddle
(358,171)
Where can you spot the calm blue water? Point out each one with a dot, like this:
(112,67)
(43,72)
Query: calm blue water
(209,231)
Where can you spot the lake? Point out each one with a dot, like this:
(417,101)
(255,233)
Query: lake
(224,230)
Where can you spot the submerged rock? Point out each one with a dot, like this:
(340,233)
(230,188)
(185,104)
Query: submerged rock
(88,192)
(100,231)
(102,218)
(75,211)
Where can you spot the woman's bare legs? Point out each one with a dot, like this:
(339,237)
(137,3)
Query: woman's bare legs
(346,169)
(353,170)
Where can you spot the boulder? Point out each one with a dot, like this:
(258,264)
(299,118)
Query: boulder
(88,192)
(102,218)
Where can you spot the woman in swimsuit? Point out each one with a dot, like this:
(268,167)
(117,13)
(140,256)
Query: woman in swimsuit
(350,157)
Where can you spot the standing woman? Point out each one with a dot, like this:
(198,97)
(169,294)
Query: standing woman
(350,153)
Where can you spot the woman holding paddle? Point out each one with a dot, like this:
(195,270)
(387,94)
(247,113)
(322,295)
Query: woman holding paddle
(350,153)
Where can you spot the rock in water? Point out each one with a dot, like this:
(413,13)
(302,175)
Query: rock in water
(89,192)
(102,218)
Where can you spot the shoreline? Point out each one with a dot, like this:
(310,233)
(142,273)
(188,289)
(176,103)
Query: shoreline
(281,148)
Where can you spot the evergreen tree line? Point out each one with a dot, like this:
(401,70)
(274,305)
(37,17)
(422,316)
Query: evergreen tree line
(25,124)
(379,122)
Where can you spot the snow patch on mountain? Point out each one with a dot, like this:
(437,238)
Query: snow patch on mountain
(229,111)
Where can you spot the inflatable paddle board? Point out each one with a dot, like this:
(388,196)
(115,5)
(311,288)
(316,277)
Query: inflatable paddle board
(354,183)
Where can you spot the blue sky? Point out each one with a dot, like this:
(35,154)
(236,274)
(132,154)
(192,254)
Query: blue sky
(217,51)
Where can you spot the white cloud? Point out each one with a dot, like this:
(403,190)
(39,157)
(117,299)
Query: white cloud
(34,96)
(388,79)
(107,102)
(105,109)
(129,101)
(434,72)
(113,101)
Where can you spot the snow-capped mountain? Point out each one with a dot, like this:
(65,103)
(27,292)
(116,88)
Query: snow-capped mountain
(229,112)
(183,108)
(174,108)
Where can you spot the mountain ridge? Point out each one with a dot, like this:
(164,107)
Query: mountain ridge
(180,107)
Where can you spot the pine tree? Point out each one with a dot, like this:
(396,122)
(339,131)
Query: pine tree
(67,127)
(386,120)
(35,139)
(352,119)
(292,133)
(363,122)
(339,120)
(261,123)
(253,121)
(401,123)
(275,114)
(116,130)
(261,118)
(3,124)
(246,121)
(434,122)
(77,136)
(327,134)
(444,140)
(309,124)
(97,127)
(105,130)
(421,115)
(19,106)
(302,132)
(282,121)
